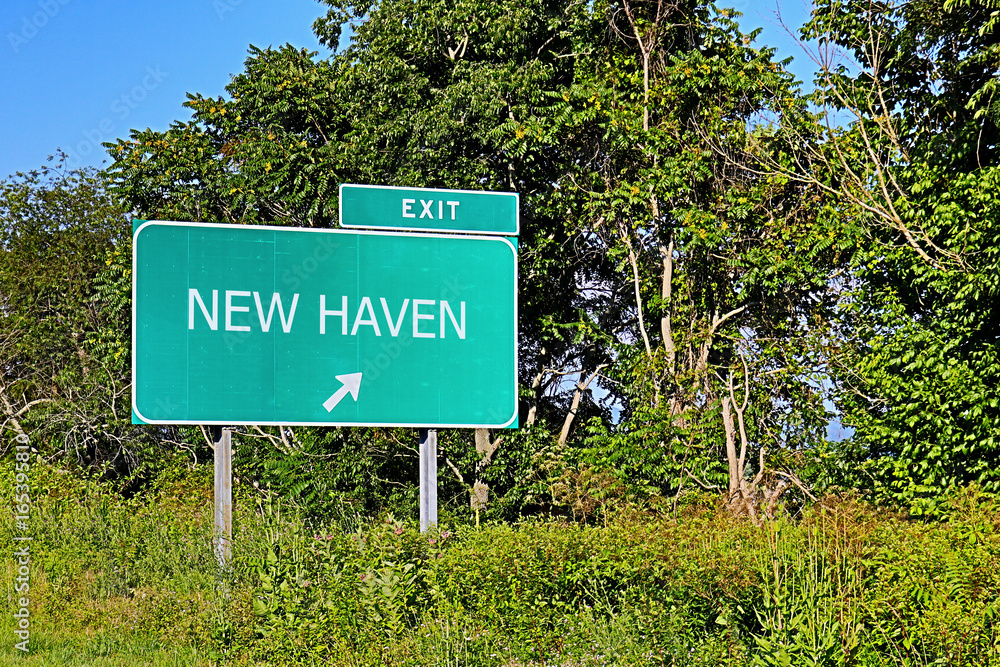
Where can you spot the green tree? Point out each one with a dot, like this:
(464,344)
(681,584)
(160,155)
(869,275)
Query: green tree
(914,162)
(724,269)
(64,299)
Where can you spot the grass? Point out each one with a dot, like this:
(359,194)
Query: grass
(124,582)
(101,651)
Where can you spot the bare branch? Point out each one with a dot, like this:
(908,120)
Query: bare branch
(577,395)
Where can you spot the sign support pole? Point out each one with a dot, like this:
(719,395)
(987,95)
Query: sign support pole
(222,437)
(428,478)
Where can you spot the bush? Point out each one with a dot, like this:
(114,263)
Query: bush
(848,584)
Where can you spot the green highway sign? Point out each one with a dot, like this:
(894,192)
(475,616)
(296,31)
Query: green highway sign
(236,324)
(429,210)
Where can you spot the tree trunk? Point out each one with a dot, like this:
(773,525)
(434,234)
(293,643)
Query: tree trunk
(735,474)
(486,448)
(536,387)
(666,327)
(577,395)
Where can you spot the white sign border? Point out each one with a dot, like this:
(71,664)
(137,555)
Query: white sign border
(170,223)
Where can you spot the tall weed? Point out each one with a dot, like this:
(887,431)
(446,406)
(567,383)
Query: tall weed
(809,614)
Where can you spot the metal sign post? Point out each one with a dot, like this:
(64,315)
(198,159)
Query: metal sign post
(222,441)
(428,478)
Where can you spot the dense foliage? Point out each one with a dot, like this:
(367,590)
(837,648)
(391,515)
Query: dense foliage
(917,169)
(65,302)
(133,582)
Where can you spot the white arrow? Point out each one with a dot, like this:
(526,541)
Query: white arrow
(352,383)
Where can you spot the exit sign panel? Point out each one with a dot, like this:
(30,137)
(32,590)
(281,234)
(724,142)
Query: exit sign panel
(428,209)
(267,325)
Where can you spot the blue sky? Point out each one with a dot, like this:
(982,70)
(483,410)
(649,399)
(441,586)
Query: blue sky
(78,72)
